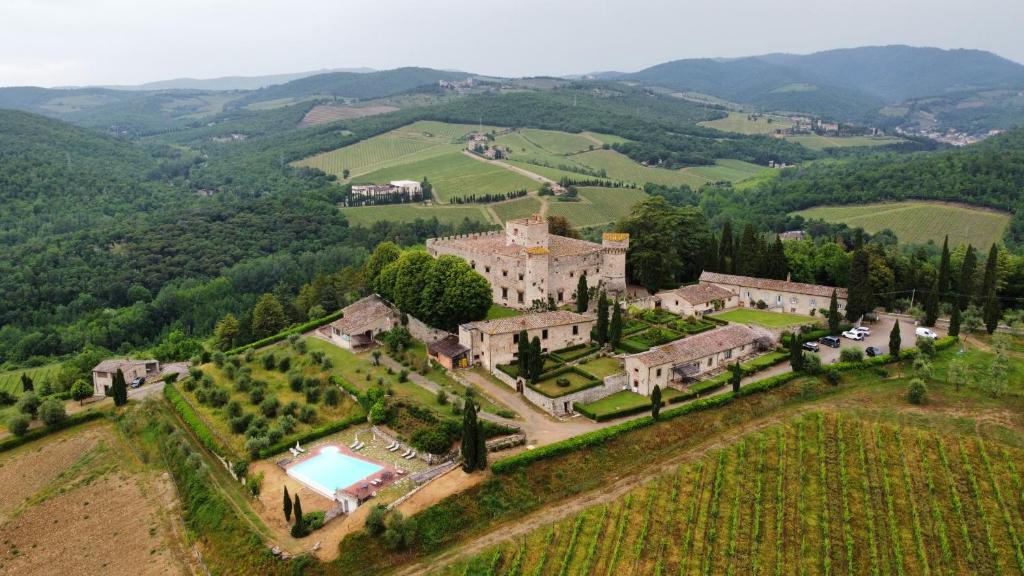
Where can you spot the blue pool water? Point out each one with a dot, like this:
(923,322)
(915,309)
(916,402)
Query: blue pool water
(330,470)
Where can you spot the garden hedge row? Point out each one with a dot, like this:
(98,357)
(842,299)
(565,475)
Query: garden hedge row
(573,352)
(37,433)
(297,329)
(192,419)
(598,437)
(595,381)
(314,434)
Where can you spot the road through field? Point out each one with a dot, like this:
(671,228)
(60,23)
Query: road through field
(522,172)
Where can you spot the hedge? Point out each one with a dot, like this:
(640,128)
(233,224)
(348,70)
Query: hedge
(573,352)
(595,381)
(37,433)
(297,329)
(312,435)
(632,346)
(189,415)
(598,437)
(714,320)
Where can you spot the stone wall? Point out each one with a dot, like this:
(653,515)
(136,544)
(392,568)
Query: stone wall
(563,405)
(420,331)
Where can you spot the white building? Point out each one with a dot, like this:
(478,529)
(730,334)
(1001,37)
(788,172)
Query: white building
(494,342)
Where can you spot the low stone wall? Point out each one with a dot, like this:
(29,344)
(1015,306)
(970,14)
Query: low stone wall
(563,405)
(420,331)
(505,442)
(504,378)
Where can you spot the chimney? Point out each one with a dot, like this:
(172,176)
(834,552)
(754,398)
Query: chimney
(789,276)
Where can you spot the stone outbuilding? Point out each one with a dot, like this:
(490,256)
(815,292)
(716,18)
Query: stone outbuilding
(362,321)
(448,352)
(777,295)
(696,300)
(103,373)
(494,342)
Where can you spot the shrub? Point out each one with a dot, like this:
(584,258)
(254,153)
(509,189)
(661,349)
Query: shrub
(240,423)
(434,440)
(307,414)
(917,391)
(18,424)
(28,404)
(218,359)
(332,396)
(190,385)
(284,364)
(326,364)
(219,397)
(313,520)
(833,376)
(291,408)
(170,377)
(254,484)
(195,372)
(562,382)
(256,395)
(257,426)
(269,407)
(255,444)
(403,376)
(379,414)
(851,355)
(287,423)
(240,467)
(234,409)
(269,361)
(274,434)
(375,520)
(312,395)
(442,397)
(244,382)
(230,371)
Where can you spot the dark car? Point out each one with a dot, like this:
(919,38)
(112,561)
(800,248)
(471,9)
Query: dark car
(138,382)
(830,341)
(812,346)
(873,351)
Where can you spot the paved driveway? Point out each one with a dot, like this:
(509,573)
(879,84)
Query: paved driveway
(879,338)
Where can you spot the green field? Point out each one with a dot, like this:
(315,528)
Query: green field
(445,213)
(560,143)
(621,167)
(11,380)
(497,311)
(456,174)
(764,318)
(742,123)
(518,208)
(601,367)
(597,205)
(817,494)
(731,170)
(920,222)
(816,142)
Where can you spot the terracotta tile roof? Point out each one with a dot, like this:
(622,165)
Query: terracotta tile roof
(770,284)
(362,312)
(701,345)
(529,322)
(448,346)
(562,246)
(698,293)
(113,364)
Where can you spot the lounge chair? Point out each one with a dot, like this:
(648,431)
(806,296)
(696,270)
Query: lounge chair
(400,472)
(353,444)
(406,453)
(294,452)
(395,447)
(411,456)
(360,446)
(299,448)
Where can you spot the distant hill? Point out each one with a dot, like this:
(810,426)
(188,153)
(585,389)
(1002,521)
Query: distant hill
(847,84)
(233,82)
(360,86)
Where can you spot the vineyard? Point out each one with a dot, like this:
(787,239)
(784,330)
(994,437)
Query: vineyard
(598,205)
(821,494)
(620,167)
(11,381)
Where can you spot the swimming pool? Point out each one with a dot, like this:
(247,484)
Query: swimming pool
(330,469)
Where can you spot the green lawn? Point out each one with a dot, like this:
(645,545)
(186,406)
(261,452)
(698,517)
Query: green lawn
(816,142)
(550,388)
(445,213)
(765,318)
(601,367)
(518,208)
(597,205)
(742,123)
(497,311)
(620,401)
(728,170)
(919,222)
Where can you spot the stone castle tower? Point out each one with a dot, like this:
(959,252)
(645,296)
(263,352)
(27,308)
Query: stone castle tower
(614,246)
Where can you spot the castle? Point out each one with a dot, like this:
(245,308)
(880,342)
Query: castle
(526,264)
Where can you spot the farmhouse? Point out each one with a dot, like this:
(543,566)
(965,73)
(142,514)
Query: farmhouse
(678,363)
(493,342)
(777,295)
(362,321)
(103,373)
(696,299)
(410,187)
(527,265)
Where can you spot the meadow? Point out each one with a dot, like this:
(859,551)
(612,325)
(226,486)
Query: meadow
(445,213)
(817,494)
(765,318)
(920,222)
(455,174)
(816,142)
(518,208)
(621,167)
(731,170)
(597,205)
(743,123)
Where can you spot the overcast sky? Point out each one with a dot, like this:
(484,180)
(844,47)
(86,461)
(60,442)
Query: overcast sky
(77,42)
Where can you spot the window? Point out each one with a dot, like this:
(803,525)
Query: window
(728,354)
(794,300)
(472,264)
(520,276)
(709,361)
(571,274)
(814,303)
(487,269)
(544,335)
(657,373)
(778,299)
(560,296)
(515,338)
(575,330)
(520,297)
(748,294)
(481,336)
(504,293)
(504,273)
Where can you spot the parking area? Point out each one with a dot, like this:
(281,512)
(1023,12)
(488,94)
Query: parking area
(879,338)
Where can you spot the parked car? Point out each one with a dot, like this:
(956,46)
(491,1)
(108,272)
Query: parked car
(862,329)
(873,351)
(138,382)
(853,335)
(830,341)
(925,333)
(812,346)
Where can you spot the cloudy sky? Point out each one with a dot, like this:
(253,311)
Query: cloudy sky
(78,42)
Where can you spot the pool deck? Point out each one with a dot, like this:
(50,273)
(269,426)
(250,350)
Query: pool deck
(361,490)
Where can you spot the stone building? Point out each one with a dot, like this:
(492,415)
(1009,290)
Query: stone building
(494,342)
(678,363)
(361,322)
(696,299)
(103,373)
(525,264)
(777,295)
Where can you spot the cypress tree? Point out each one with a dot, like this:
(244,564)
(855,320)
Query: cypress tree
(725,250)
(602,319)
(26,383)
(524,354)
(796,354)
(991,271)
(991,312)
(615,329)
(536,360)
(469,438)
(833,314)
(655,401)
(582,297)
(967,271)
(895,340)
(778,268)
(859,290)
(120,389)
(954,322)
(737,374)
(944,271)
(481,446)
(931,306)
(749,257)
(297,511)
(287,506)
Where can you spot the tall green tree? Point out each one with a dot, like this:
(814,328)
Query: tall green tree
(796,353)
(26,383)
(601,326)
(931,305)
(268,317)
(287,504)
(119,389)
(776,264)
(414,267)
(895,340)
(523,358)
(226,332)
(991,311)
(300,522)
(954,321)
(470,443)
(615,328)
(481,447)
(736,375)
(666,244)
(749,257)
(725,249)
(81,390)
(859,298)
(536,360)
(385,253)
(945,274)
(655,401)
(833,314)
(967,272)
(582,296)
